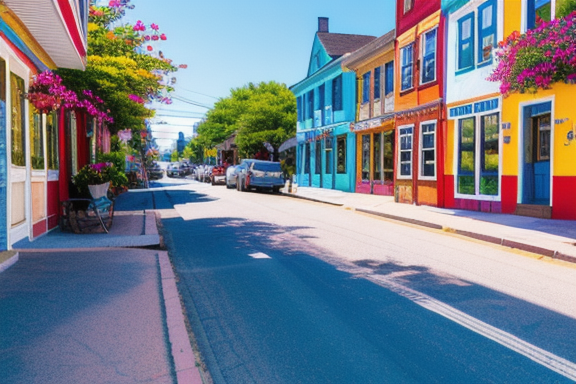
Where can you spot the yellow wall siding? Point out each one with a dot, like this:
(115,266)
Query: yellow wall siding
(450,160)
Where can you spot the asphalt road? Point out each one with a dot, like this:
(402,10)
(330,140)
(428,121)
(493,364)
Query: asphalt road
(279,290)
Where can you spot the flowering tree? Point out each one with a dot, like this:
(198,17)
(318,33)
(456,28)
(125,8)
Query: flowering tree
(538,58)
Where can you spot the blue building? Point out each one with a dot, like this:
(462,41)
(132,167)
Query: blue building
(326,99)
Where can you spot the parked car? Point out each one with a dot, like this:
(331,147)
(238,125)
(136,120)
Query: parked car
(231,177)
(177,169)
(218,175)
(259,175)
(155,172)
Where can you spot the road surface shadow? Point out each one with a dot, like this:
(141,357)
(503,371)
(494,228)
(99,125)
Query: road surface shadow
(138,201)
(540,326)
(287,296)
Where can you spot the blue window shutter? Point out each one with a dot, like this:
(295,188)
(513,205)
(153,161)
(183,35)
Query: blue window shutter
(466,42)
(377,83)
(366,87)
(486,31)
(531,14)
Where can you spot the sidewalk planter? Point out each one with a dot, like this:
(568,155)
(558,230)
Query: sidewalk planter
(99,190)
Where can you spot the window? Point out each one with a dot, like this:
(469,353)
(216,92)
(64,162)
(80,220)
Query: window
(467,156)
(299,108)
(542,125)
(307,158)
(310,104)
(337,93)
(490,154)
(405,136)
(428,72)
(365,157)
(36,139)
(366,87)
(407,5)
(329,157)
(389,84)
(486,31)
(18,121)
(341,154)
(377,157)
(389,157)
(466,42)
(428,150)
(321,92)
(52,140)
(377,74)
(406,58)
(538,11)
(318,158)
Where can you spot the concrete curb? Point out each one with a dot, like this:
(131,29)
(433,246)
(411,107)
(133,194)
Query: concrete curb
(187,371)
(10,261)
(554,254)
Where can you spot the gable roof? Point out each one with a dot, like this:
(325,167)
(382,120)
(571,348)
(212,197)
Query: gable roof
(338,44)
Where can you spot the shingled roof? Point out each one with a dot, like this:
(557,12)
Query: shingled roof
(338,44)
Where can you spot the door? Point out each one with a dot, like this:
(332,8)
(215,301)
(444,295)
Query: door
(537,149)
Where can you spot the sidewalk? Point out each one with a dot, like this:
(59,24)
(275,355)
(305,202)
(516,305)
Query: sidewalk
(89,308)
(551,238)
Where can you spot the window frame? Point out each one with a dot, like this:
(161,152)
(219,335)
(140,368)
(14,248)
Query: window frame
(310,104)
(389,78)
(423,55)
(365,150)
(328,155)
(408,6)
(337,102)
(470,40)
(409,65)
(366,87)
(421,149)
(400,151)
(485,32)
(341,139)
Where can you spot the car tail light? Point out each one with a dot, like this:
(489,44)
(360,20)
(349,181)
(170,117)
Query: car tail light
(248,175)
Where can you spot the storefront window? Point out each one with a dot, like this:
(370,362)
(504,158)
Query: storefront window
(428,153)
(307,158)
(377,156)
(389,157)
(406,151)
(365,157)
(36,139)
(329,157)
(490,155)
(318,157)
(466,163)
(18,121)
(341,154)
(52,140)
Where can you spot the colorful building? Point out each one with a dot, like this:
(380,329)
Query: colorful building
(326,101)
(474,148)
(374,127)
(419,107)
(34,36)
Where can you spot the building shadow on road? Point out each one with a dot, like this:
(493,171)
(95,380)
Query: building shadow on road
(140,200)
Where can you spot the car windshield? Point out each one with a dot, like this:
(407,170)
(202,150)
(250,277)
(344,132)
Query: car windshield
(267,167)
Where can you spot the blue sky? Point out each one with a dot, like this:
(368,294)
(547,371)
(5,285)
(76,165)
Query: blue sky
(227,44)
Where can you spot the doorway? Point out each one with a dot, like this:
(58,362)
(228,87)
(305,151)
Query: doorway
(537,151)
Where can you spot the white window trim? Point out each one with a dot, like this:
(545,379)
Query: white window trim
(401,60)
(420,150)
(524,18)
(399,175)
(411,6)
(477,120)
(422,47)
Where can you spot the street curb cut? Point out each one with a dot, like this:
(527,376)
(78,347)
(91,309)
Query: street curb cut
(10,261)
(184,361)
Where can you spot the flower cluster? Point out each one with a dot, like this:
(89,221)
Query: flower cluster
(103,14)
(136,99)
(538,58)
(47,93)
(94,174)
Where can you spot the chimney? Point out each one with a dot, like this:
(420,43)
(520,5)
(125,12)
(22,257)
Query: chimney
(323,24)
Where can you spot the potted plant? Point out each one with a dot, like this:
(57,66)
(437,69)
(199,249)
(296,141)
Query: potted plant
(95,179)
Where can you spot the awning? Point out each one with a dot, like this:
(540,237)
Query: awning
(57,25)
(290,143)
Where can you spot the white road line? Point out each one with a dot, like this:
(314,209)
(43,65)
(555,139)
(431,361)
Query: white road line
(539,355)
(259,255)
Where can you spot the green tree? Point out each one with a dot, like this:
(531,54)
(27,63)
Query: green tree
(174,156)
(258,113)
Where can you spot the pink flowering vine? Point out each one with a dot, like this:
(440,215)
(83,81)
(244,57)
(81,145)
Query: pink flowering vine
(537,59)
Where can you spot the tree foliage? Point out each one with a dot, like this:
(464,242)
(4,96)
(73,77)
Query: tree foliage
(258,113)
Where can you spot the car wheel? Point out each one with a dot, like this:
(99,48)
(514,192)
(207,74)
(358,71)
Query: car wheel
(275,189)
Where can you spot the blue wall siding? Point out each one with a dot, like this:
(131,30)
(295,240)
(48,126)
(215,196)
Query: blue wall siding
(3,180)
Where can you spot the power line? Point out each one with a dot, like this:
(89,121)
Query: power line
(198,93)
(187,101)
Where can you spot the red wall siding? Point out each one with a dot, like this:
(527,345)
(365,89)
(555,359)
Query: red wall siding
(63,161)
(53,203)
(39,228)
(563,204)
(420,10)
(509,193)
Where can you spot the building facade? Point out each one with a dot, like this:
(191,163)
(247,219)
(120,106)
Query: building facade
(473,171)
(419,106)
(34,37)
(326,102)
(374,126)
